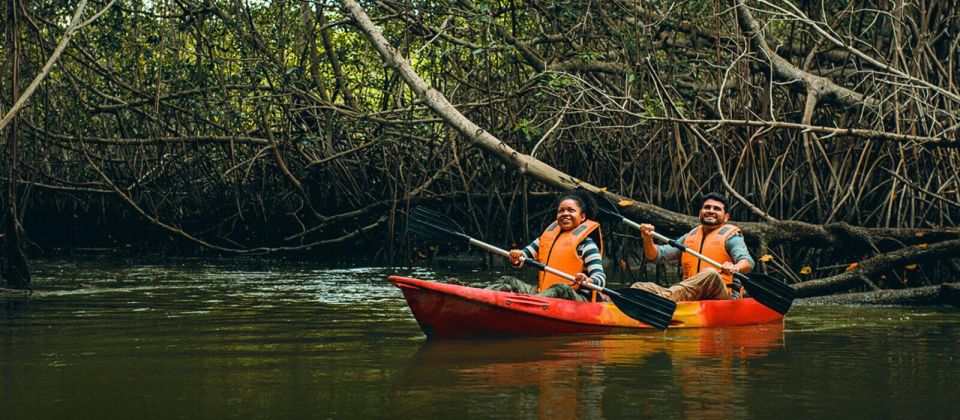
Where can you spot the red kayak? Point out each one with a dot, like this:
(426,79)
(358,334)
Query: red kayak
(453,311)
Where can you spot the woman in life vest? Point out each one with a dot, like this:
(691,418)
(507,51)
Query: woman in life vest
(572,244)
(715,239)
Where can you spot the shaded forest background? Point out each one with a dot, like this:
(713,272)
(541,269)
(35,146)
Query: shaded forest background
(256,127)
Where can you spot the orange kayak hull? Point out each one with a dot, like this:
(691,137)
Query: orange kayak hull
(454,311)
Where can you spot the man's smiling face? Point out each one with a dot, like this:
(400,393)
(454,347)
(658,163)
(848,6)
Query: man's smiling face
(713,213)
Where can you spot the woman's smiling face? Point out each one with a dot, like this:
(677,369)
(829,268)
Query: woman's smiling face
(569,215)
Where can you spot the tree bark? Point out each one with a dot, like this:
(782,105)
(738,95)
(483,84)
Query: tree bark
(876,265)
(338,75)
(941,294)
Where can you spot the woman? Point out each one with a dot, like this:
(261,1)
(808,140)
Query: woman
(572,244)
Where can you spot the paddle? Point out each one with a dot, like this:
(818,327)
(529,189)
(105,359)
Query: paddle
(769,291)
(645,307)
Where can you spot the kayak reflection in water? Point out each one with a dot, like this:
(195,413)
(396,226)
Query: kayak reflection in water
(572,244)
(714,238)
(586,376)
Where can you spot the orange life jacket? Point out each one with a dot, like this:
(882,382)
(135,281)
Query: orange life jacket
(558,249)
(713,246)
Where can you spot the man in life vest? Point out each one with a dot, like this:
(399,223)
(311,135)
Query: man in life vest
(715,239)
(571,244)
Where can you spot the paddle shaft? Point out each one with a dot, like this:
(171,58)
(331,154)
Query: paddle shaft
(541,266)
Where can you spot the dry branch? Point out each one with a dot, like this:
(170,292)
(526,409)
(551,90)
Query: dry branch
(72,27)
(821,88)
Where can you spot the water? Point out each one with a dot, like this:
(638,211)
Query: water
(251,339)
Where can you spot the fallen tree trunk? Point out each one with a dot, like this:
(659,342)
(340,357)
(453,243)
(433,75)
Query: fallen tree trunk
(875,266)
(941,294)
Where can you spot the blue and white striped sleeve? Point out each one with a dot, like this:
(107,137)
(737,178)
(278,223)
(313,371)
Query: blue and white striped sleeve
(531,251)
(592,261)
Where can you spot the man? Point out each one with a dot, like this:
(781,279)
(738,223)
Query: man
(715,239)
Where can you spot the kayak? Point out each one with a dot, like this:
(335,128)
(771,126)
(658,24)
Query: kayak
(454,311)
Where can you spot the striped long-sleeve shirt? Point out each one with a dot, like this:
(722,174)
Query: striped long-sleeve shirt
(588,252)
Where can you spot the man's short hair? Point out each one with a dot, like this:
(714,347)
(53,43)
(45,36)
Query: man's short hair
(713,195)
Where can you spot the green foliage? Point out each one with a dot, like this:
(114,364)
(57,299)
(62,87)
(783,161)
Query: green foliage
(558,81)
(650,106)
(527,128)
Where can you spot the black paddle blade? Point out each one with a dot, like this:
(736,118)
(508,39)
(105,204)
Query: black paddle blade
(645,307)
(770,292)
(434,226)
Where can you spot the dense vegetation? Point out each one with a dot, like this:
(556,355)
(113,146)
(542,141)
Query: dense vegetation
(248,126)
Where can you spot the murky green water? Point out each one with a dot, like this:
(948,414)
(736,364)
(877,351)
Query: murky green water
(229,339)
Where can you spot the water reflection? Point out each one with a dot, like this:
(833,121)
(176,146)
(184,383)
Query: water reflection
(11,309)
(704,370)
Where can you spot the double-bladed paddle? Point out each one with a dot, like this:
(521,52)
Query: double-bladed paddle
(643,306)
(769,291)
